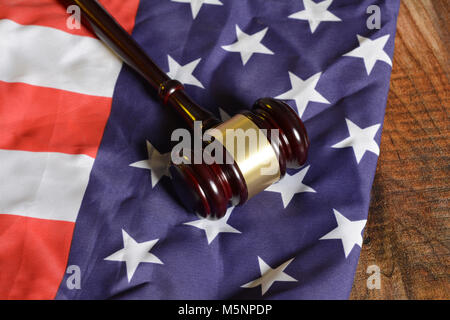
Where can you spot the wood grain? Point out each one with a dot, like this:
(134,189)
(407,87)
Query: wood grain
(407,234)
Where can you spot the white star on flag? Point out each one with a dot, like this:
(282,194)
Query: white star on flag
(247,44)
(157,163)
(361,140)
(349,232)
(303,92)
(315,13)
(371,51)
(291,185)
(196,5)
(269,276)
(184,73)
(133,253)
(224,115)
(214,227)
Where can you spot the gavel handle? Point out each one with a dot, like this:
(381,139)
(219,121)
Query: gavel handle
(170,91)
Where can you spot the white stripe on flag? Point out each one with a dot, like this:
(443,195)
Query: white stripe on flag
(53,58)
(46,185)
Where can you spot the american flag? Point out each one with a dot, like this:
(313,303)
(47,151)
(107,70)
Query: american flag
(87,210)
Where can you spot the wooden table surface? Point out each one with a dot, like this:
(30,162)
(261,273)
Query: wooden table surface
(407,233)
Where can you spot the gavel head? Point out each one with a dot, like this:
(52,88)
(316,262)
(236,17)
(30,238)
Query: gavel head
(210,187)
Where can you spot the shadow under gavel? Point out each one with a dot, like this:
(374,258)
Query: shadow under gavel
(209,189)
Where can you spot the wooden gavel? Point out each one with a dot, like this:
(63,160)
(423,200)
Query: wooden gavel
(208,189)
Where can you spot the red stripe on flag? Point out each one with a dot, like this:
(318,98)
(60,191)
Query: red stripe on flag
(33,256)
(51,120)
(51,13)
(34,252)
